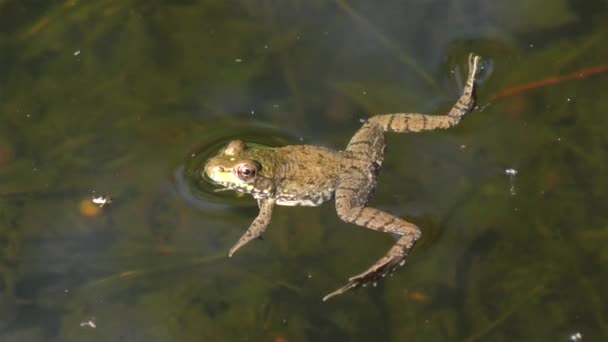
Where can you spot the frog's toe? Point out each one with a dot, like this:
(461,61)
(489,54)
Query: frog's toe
(473,60)
(473,64)
(379,270)
(348,286)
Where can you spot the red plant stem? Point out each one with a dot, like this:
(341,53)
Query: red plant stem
(549,81)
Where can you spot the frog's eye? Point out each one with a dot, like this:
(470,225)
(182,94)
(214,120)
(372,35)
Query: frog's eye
(246,171)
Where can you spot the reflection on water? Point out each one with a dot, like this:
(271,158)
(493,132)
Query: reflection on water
(129,98)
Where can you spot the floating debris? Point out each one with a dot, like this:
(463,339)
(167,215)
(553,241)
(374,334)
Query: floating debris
(511,173)
(90,323)
(415,296)
(101,200)
(7,154)
(88,208)
(281,339)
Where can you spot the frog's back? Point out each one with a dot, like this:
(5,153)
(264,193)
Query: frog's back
(307,176)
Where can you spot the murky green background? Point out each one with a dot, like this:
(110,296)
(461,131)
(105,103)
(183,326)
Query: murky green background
(126,98)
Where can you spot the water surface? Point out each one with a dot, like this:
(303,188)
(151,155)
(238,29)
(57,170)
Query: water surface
(127,98)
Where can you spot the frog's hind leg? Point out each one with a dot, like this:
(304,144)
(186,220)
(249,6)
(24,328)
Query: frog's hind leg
(415,122)
(351,198)
(257,227)
(354,189)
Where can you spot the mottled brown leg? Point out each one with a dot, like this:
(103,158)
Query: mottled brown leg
(351,195)
(354,189)
(257,227)
(415,122)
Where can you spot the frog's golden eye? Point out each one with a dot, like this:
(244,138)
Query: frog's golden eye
(246,171)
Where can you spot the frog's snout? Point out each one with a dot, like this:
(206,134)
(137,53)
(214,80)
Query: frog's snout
(213,167)
(212,170)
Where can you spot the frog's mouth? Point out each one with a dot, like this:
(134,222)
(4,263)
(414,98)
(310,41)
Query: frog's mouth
(243,188)
(246,188)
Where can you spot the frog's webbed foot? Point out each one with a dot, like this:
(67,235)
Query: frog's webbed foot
(384,266)
(257,227)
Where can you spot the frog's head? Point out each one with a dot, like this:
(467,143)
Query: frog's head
(239,167)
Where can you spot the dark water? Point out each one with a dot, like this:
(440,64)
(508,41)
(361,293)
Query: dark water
(125,98)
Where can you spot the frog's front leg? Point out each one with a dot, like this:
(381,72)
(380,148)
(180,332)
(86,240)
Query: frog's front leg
(258,226)
(351,198)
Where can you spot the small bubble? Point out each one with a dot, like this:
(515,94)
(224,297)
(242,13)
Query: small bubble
(238,60)
(577,336)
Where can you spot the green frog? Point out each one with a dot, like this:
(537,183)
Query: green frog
(310,175)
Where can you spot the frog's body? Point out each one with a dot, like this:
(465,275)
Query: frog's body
(310,175)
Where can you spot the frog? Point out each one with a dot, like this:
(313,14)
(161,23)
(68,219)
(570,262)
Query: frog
(309,175)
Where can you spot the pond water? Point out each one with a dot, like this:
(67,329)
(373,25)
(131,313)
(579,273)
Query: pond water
(127,99)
